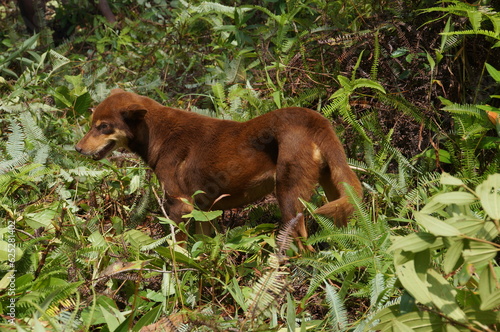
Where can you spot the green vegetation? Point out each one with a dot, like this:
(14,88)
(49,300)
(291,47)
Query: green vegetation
(412,88)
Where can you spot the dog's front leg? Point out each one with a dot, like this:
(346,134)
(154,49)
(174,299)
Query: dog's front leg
(176,208)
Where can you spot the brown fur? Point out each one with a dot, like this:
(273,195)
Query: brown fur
(287,151)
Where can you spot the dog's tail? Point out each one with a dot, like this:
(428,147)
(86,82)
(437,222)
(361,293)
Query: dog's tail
(334,174)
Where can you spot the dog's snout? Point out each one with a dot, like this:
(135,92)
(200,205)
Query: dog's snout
(78,149)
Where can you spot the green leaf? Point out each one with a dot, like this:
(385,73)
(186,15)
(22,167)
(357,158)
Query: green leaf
(411,282)
(41,218)
(469,226)
(431,61)
(203,215)
(487,283)
(338,313)
(489,194)
(448,179)
(492,301)
(149,318)
(111,320)
(452,255)
(436,226)
(415,242)
(9,250)
(237,293)
(179,257)
(495,74)
(399,326)
(456,197)
(443,296)
(97,240)
(82,104)
(416,320)
(137,238)
(475,18)
(480,254)
(367,83)
(79,87)
(345,83)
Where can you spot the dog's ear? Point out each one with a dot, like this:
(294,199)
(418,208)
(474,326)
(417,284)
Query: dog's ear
(134,113)
(116,91)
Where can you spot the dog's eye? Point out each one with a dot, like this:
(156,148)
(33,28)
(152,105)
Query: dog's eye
(103,126)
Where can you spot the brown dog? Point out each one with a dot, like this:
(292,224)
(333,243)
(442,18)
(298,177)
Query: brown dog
(287,151)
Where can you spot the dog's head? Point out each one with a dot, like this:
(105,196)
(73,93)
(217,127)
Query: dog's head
(112,123)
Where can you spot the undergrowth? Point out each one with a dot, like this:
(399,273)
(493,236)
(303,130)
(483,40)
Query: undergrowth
(411,89)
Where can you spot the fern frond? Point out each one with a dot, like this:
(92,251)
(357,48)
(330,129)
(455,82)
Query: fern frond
(467,109)
(401,104)
(15,142)
(487,33)
(284,238)
(213,7)
(31,128)
(155,244)
(377,287)
(267,289)
(337,318)
(376,57)
(350,260)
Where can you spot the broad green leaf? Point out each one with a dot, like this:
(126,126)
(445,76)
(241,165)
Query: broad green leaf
(149,318)
(416,242)
(367,83)
(450,180)
(492,301)
(79,87)
(453,254)
(111,321)
(475,18)
(487,283)
(416,320)
(407,303)
(456,197)
(97,240)
(469,226)
(485,317)
(443,296)
(137,238)
(9,251)
(495,74)
(345,83)
(432,206)
(417,288)
(126,324)
(479,254)
(431,61)
(489,194)
(383,318)
(179,257)
(400,326)
(82,103)
(5,281)
(489,232)
(234,288)
(436,226)
(203,215)
(41,218)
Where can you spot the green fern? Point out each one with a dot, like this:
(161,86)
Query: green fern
(267,289)
(337,313)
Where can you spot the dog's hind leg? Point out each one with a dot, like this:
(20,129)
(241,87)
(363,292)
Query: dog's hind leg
(297,173)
